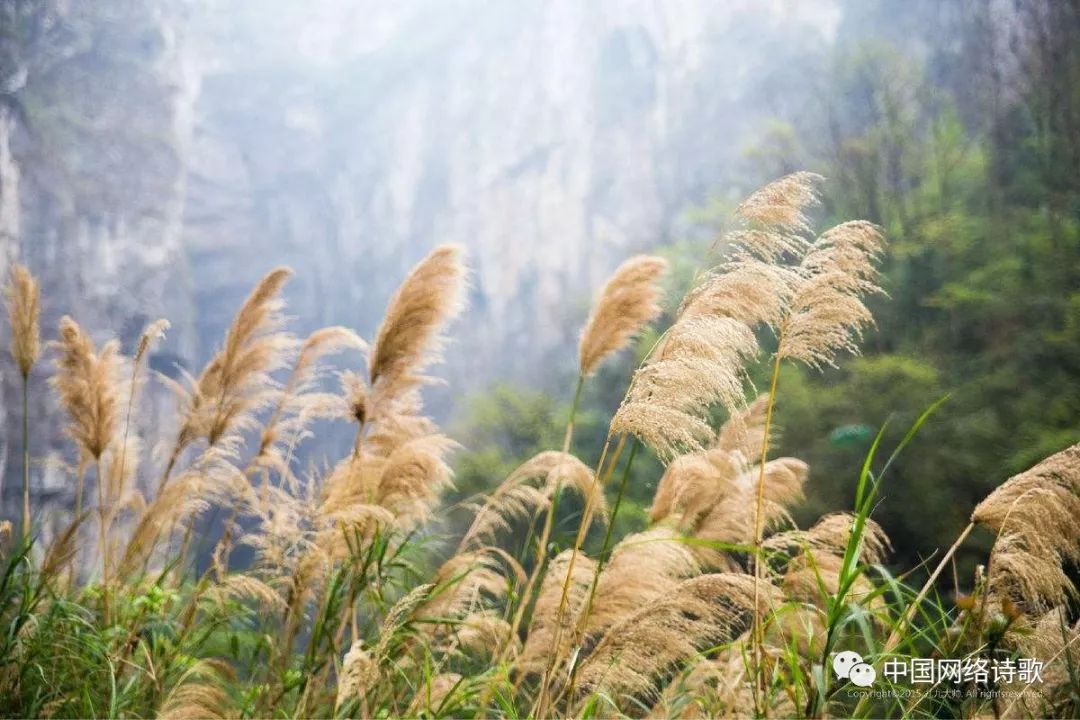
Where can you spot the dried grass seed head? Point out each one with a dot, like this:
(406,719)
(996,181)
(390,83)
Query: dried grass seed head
(24,311)
(782,203)
(628,302)
(409,337)
(530,488)
(827,314)
(90,384)
(701,364)
(545,624)
(636,654)
(643,566)
(237,382)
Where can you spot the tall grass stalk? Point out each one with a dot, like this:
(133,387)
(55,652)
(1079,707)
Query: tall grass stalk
(603,554)
(26,456)
(103,539)
(604,467)
(758,557)
(540,563)
(722,607)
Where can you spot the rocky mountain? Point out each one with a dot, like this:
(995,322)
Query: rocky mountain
(156,158)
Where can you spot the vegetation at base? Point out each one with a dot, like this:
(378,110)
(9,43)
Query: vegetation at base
(373,592)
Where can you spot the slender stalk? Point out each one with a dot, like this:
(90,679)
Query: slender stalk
(358,441)
(601,557)
(583,620)
(103,542)
(545,537)
(79,482)
(26,456)
(127,415)
(185,546)
(549,522)
(351,611)
(583,528)
(759,566)
(897,633)
(579,541)
(173,457)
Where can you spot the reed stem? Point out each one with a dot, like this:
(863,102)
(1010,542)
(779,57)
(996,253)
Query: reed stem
(601,558)
(545,535)
(759,565)
(895,635)
(26,456)
(579,541)
(103,541)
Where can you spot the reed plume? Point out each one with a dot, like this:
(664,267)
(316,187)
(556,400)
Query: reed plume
(213,479)
(199,693)
(62,549)
(300,402)
(827,313)
(460,584)
(413,476)
(23,304)
(1037,517)
(733,517)
(401,464)
(358,672)
(354,394)
(780,207)
(484,632)
(702,360)
(237,382)
(744,432)
(433,697)
(710,494)
(549,619)
(530,488)
(712,687)
(693,484)
(409,337)
(242,586)
(643,566)
(831,534)
(813,577)
(24,311)
(88,383)
(123,461)
(701,364)
(637,653)
(1050,638)
(400,614)
(628,302)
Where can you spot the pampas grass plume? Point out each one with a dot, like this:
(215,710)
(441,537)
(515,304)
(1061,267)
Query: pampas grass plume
(24,311)
(628,302)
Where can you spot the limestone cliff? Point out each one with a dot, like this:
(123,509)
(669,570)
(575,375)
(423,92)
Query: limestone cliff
(156,158)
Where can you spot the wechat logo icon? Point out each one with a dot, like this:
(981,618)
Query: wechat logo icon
(849,665)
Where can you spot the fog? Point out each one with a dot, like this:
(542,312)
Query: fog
(158,158)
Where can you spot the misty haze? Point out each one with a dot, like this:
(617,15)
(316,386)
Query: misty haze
(450,358)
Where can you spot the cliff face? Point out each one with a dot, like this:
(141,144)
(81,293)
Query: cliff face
(92,114)
(552,139)
(156,159)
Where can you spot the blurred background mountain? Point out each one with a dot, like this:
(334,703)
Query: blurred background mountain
(157,157)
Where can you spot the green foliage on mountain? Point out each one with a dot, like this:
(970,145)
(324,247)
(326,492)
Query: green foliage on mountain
(963,142)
